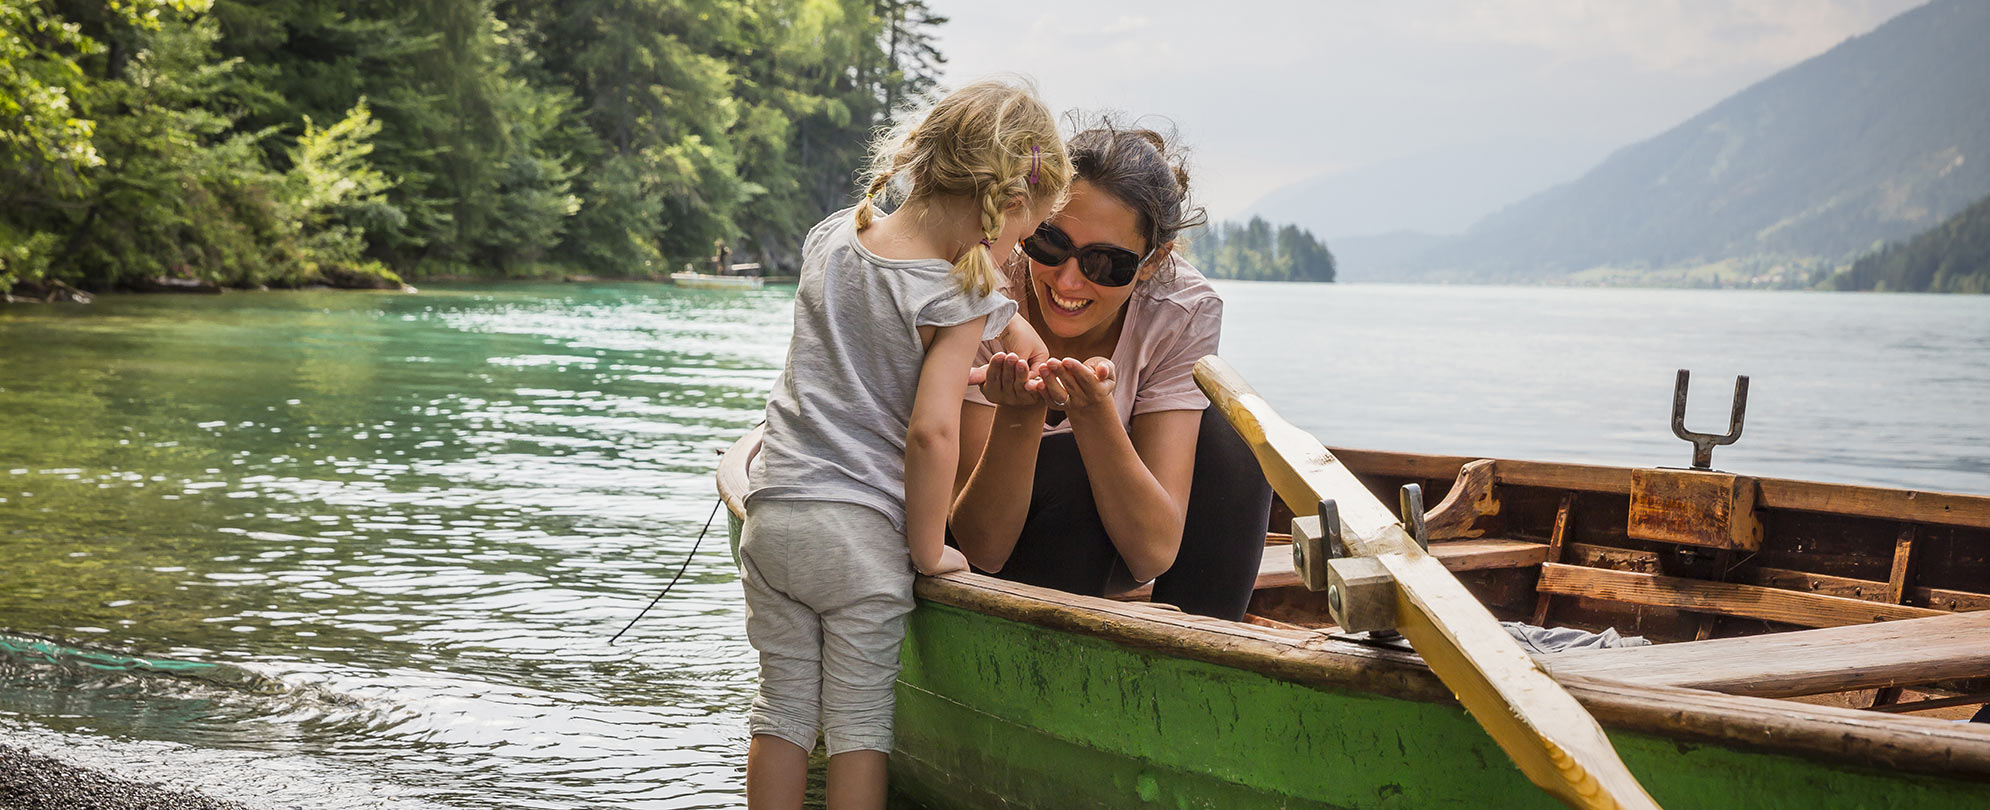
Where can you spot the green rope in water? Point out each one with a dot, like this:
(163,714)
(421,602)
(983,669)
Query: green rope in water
(58,653)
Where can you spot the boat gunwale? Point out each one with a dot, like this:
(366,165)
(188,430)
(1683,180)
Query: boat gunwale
(1827,733)
(1848,500)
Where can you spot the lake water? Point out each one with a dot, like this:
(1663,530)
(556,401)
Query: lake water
(392,535)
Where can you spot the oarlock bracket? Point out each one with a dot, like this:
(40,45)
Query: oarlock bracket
(1704,443)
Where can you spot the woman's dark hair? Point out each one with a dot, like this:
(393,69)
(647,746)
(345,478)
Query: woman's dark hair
(1143,169)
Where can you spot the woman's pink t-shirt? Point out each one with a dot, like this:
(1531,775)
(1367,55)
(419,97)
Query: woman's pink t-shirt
(1169,325)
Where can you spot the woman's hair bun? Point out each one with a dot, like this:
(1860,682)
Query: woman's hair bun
(1144,168)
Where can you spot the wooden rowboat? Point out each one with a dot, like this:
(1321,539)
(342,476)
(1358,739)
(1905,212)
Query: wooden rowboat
(710,281)
(1819,646)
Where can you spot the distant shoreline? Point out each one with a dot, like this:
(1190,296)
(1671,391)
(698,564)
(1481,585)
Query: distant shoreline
(1548,285)
(60,293)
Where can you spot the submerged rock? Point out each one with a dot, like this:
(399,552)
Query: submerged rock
(360,278)
(44,292)
(167,284)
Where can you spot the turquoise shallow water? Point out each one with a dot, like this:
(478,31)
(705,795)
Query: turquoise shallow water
(397,531)
(406,526)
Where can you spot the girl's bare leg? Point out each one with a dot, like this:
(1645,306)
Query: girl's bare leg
(857,780)
(776,774)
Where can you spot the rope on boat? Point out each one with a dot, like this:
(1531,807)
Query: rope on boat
(680,572)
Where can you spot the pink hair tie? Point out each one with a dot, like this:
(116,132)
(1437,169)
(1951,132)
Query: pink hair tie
(985,243)
(1036,164)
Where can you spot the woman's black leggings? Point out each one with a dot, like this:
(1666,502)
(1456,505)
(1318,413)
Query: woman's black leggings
(1064,543)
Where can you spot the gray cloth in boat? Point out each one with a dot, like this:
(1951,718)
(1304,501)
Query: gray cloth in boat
(1536,639)
(837,417)
(1542,640)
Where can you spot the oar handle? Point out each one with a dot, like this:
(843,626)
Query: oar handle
(1296,463)
(1553,740)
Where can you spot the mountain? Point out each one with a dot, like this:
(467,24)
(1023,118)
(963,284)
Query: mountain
(1952,257)
(1436,191)
(1883,136)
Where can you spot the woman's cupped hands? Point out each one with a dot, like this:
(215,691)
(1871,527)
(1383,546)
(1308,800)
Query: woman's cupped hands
(1064,383)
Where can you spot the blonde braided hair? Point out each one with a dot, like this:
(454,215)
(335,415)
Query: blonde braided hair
(992,141)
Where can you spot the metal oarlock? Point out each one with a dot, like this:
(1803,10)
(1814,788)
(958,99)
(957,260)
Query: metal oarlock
(1411,501)
(1704,443)
(1316,542)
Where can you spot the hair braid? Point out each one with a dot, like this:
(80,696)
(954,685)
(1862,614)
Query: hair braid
(976,267)
(866,211)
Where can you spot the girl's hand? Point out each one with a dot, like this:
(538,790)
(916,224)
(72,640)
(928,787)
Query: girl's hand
(1007,382)
(1079,387)
(951,560)
(1021,339)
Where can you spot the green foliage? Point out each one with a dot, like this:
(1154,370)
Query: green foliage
(179,194)
(335,192)
(178,137)
(24,256)
(1254,251)
(42,142)
(1951,257)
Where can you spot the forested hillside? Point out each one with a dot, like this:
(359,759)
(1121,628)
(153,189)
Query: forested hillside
(292,141)
(1879,138)
(1255,251)
(1951,257)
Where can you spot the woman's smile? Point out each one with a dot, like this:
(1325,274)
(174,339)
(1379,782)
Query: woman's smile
(1068,307)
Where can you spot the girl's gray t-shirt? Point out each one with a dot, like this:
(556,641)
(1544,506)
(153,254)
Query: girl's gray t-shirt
(838,414)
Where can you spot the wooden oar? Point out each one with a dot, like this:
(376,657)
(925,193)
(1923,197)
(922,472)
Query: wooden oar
(1546,732)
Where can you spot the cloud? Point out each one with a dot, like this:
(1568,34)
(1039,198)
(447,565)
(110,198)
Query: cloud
(1126,24)
(1683,36)
(1272,91)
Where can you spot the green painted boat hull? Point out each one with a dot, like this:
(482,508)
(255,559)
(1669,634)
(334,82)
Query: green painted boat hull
(998,713)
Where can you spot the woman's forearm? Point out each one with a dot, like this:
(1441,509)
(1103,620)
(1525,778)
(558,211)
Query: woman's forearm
(1143,520)
(988,513)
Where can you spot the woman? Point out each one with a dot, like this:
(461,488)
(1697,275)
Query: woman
(1114,470)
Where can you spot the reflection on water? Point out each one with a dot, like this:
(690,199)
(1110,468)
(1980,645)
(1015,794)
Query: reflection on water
(399,530)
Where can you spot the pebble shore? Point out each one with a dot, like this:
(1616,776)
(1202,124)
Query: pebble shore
(30,781)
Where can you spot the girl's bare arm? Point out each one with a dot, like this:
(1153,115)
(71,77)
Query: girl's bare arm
(932,444)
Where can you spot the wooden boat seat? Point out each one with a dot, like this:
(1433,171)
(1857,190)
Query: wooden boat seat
(1723,598)
(1275,567)
(1804,662)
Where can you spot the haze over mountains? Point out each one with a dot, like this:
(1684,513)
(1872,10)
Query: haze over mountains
(1440,191)
(1879,138)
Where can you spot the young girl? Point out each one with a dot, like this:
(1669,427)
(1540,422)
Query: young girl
(851,487)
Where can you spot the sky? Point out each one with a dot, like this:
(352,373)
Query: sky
(1267,93)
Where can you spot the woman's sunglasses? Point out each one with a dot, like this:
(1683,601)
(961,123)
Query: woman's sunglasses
(1106,265)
